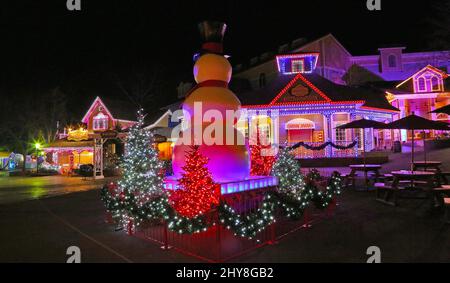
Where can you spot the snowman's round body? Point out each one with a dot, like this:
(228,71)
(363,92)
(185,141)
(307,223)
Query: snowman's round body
(228,151)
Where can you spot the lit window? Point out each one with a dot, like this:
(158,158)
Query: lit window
(340,135)
(392,61)
(100,122)
(435,83)
(297,66)
(421,84)
(359,134)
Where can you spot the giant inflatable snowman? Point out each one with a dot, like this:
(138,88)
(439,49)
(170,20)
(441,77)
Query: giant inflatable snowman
(227,153)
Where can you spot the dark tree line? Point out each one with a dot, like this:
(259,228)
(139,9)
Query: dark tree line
(28,117)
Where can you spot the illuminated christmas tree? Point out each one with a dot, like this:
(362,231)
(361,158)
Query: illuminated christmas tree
(260,162)
(198,192)
(142,175)
(141,168)
(287,169)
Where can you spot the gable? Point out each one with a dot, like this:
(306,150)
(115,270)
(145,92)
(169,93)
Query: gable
(96,107)
(423,80)
(300,90)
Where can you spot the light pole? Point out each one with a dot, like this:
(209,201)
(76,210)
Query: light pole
(37,146)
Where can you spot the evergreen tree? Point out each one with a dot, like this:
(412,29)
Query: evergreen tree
(260,164)
(142,171)
(198,191)
(287,169)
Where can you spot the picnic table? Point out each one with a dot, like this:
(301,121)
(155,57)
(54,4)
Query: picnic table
(433,165)
(415,180)
(429,164)
(363,168)
(441,193)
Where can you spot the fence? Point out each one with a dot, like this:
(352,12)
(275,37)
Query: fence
(219,244)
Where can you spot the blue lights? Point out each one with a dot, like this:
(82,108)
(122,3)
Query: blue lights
(303,63)
(253,183)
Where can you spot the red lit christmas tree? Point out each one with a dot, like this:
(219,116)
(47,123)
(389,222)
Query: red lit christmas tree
(198,192)
(261,161)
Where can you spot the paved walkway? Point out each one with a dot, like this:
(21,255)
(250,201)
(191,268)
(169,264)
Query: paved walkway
(40,230)
(13,189)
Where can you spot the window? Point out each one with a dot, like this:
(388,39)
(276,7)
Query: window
(435,83)
(392,61)
(262,80)
(340,135)
(100,122)
(359,136)
(297,66)
(421,84)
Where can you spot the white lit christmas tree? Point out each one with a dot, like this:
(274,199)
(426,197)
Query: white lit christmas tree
(142,170)
(287,169)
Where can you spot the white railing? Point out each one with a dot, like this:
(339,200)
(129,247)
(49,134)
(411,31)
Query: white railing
(329,151)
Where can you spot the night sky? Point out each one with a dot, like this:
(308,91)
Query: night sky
(84,52)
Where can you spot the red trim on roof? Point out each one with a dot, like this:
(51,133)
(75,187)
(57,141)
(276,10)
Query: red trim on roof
(99,100)
(291,83)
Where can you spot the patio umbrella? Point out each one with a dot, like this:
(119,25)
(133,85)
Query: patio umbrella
(445,110)
(363,124)
(414,122)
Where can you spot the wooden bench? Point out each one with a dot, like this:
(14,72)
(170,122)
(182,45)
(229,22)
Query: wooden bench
(441,193)
(444,176)
(347,178)
(383,177)
(384,192)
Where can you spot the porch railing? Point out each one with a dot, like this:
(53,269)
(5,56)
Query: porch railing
(329,151)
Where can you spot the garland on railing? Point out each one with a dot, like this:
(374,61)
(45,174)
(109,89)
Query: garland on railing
(248,226)
(131,207)
(156,209)
(323,146)
(245,226)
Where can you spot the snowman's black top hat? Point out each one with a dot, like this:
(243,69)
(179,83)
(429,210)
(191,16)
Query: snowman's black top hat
(212,34)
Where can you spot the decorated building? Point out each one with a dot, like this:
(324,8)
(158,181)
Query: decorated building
(96,141)
(321,85)
(337,63)
(300,105)
(421,93)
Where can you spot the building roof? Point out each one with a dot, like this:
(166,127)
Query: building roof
(292,47)
(266,94)
(69,144)
(118,109)
(373,97)
(322,90)
(153,118)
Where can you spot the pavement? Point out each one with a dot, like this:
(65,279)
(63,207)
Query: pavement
(20,188)
(36,229)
